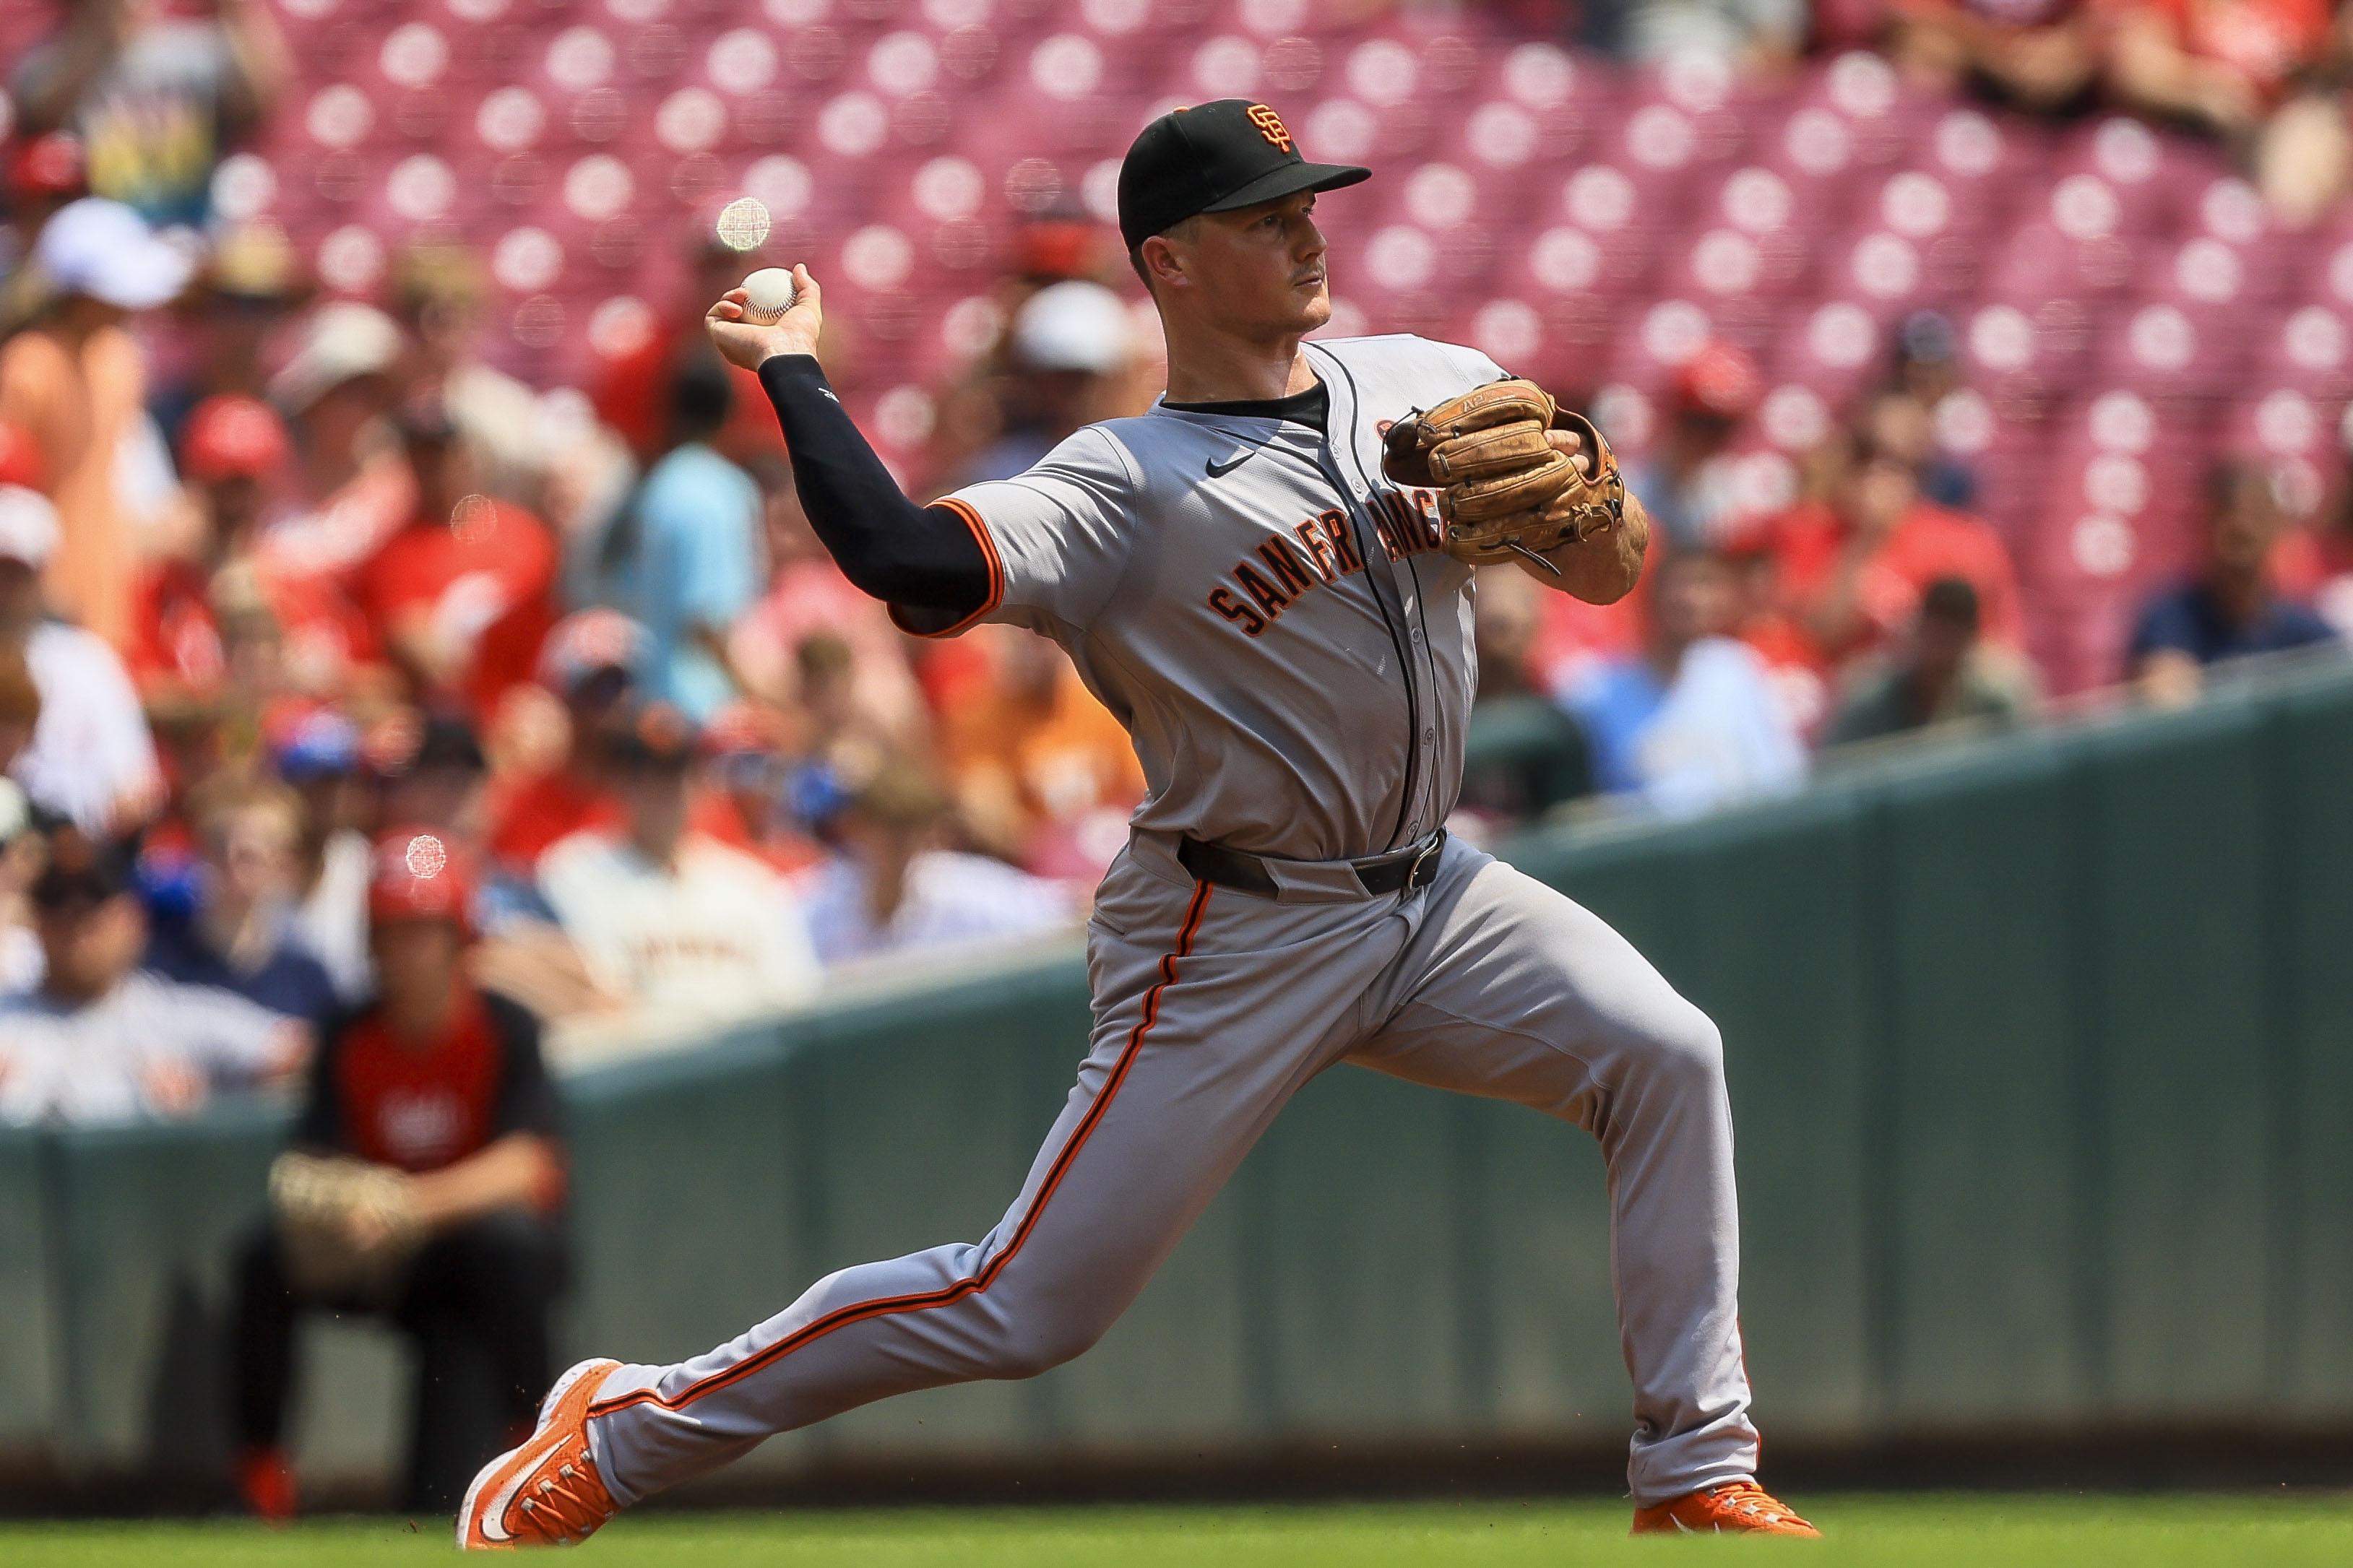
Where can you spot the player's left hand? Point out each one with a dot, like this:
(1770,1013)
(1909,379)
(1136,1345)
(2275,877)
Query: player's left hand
(1517,476)
(1571,445)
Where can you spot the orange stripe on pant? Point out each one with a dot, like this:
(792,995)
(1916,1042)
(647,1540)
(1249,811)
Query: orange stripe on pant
(974,1284)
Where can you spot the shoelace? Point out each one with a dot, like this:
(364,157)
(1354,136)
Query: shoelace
(558,1512)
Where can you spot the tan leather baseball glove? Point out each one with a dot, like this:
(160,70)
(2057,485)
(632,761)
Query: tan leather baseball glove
(1503,490)
(346,1228)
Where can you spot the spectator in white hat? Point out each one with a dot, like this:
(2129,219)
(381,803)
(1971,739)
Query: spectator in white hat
(337,394)
(1070,342)
(91,758)
(76,383)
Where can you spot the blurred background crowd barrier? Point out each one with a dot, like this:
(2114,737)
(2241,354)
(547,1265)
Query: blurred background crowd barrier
(2039,1053)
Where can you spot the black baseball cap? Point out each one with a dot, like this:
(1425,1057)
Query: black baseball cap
(83,871)
(1213,158)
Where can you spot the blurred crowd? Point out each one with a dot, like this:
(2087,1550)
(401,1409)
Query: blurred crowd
(284,569)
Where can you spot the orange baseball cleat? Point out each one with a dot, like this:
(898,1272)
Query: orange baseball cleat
(547,1492)
(1736,1508)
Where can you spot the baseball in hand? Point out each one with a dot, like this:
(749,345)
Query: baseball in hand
(769,294)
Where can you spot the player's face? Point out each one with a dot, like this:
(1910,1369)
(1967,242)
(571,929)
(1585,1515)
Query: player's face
(1261,269)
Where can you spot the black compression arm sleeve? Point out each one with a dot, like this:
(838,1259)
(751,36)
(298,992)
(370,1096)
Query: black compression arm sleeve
(884,543)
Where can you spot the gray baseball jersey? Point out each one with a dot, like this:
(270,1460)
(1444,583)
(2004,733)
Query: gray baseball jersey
(1272,620)
(1278,631)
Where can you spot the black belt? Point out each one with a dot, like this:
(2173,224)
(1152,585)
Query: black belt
(1247,873)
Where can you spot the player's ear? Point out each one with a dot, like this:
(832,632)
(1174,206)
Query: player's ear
(1161,261)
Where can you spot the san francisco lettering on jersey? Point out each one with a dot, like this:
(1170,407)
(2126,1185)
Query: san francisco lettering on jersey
(1277,575)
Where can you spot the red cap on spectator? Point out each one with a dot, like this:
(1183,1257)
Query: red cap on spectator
(1719,379)
(419,875)
(230,436)
(48,165)
(20,460)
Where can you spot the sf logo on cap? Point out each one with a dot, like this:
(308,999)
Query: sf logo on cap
(1270,126)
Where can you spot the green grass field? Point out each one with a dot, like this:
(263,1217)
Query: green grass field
(1944,1531)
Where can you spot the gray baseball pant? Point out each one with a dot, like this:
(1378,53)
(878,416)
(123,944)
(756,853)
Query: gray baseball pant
(1212,1008)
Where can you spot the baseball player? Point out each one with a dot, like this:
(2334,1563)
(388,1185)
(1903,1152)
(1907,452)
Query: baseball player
(1268,578)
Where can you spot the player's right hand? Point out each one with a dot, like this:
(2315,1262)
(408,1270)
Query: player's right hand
(747,344)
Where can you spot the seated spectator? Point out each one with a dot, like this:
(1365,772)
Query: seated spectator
(590,662)
(1043,775)
(352,489)
(237,929)
(2229,609)
(2242,70)
(318,757)
(1945,676)
(99,1042)
(1927,375)
(1070,340)
(429,771)
(1854,568)
(155,93)
(1525,754)
(741,802)
(437,297)
(443,1085)
(1761,617)
(461,596)
(1687,486)
(234,449)
(91,759)
(666,918)
(228,322)
(75,381)
(891,887)
(2041,55)
(828,727)
(1691,723)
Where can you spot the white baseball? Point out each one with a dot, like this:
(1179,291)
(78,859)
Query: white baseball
(769,294)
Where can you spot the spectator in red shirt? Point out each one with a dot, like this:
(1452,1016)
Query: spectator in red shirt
(443,1085)
(1687,487)
(461,596)
(590,660)
(231,451)
(1852,570)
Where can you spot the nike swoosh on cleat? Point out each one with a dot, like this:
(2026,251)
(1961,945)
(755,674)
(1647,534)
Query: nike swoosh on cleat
(1220,470)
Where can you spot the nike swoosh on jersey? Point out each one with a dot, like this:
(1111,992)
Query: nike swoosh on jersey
(1220,470)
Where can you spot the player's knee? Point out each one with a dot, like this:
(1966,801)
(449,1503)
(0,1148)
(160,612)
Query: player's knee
(1687,1049)
(1046,1339)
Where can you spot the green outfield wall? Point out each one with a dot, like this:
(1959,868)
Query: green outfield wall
(2041,1051)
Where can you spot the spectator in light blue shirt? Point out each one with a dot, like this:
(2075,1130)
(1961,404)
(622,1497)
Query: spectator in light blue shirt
(1692,722)
(683,554)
